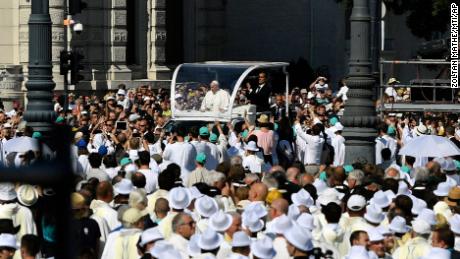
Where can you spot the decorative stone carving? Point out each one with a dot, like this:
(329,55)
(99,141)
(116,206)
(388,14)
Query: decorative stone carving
(120,36)
(119,18)
(159,4)
(119,3)
(57,16)
(160,18)
(57,36)
(119,54)
(56,3)
(10,78)
(160,37)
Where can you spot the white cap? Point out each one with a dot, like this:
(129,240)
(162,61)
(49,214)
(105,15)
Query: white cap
(179,198)
(454,223)
(438,253)
(241,239)
(206,206)
(330,195)
(8,240)
(251,221)
(356,202)
(306,221)
(374,214)
(380,199)
(251,146)
(280,224)
(302,197)
(442,190)
(420,226)
(209,240)
(302,240)
(7,192)
(428,216)
(124,187)
(399,225)
(121,92)
(220,221)
(374,235)
(263,248)
(151,235)
(418,205)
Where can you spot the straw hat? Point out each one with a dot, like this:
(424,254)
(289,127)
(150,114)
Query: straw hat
(453,198)
(392,81)
(263,118)
(421,130)
(133,215)
(27,195)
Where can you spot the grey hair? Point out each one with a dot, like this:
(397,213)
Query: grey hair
(270,181)
(386,176)
(236,160)
(421,174)
(178,220)
(216,177)
(357,175)
(253,177)
(215,82)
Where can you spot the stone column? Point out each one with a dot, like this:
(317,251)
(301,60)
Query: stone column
(10,85)
(157,40)
(57,39)
(118,71)
(360,118)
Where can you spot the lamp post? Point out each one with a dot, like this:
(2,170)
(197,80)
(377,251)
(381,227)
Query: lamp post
(40,114)
(360,117)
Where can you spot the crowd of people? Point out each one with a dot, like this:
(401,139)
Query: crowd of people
(276,188)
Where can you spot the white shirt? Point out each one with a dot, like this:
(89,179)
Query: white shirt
(99,140)
(103,210)
(151,180)
(382,142)
(183,154)
(343,92)
(253,163)
(314,146)
(180,243)
(338,143)
(216,102)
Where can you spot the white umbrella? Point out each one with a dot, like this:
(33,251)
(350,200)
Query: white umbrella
(21,145)
(430,146)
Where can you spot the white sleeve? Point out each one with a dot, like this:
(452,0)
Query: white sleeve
(300,133)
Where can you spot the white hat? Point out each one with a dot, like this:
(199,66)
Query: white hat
(133,117)
(27,195)
(151,235)
(170,253)
(403,189)
(380,200)
(421,130)
(193,249)
(306,221)
(356,202)
(420,226)
(390,194)
(302,240)
(133,215)
(237,256)
(251,146)
(438,253)
(263,248)
(220,221)
(293,211)
(209,240)
(338,126)
(454,223)
(251,221)
(399,225)
(374,235)
(179,198)
(418,205)
(7,125)
(121,92)
(320,186)
(384,230)
(302,197)
(241,239)
(8,240)
(358,252)
(195,193)
(206,206)
(257,208)
(442,190)
(428,216)
(177,96)
(124,186)
(374,214)
(330,195)
(7,192)
(160,247)
(280,224)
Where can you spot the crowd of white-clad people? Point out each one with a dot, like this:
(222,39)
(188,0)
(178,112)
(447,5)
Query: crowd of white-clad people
(277,188)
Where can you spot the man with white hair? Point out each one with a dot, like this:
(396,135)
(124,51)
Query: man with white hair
(215,100)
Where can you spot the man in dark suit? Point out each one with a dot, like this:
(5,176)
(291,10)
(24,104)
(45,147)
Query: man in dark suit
(260,94)
(278,109)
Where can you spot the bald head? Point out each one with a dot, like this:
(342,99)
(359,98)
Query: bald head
(258,192)
(104,192)
(281,206)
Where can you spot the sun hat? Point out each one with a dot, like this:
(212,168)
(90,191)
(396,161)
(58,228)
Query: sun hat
(124,161)
(200,158)
(241,239)
(251,222)
(454,223)
(8,240)
(403,189)
(220,221)
(421,130)
(390,195)
(303,198)
(306,221)
(150,235)
(161,247)
(442,190)
(213,138)
(204,131)
(374,214)
(418,205)
(209,240)
(438,253)
(121,92)
(280,224)
(179,198)
(374,235)
(383,230)
(428,216)
(302,240)
(195,193)
(330,195)
(452,199)
(356,202)
(133,215)
(251,146)
(7,192)
(392,80)
(206,206)
(293,212)
(193,249)
(124,187)
(257,208)
(358,252)
(398,225)
(27,195)
(421,226)
(263,118)
(320,186)
(263,248)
